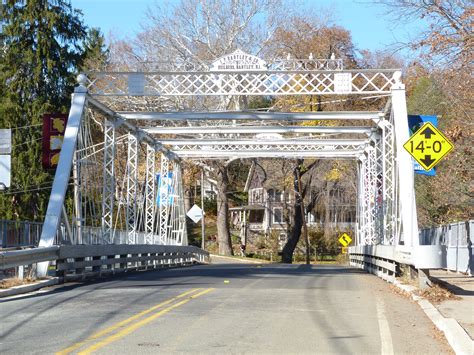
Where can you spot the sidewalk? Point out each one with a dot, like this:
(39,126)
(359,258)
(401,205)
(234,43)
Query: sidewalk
(462,310)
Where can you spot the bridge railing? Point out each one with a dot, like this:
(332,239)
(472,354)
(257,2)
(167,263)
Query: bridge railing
(81,261)
(457,238)
(27,234)
(442,247)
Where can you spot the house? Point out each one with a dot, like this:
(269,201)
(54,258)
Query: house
(271,199)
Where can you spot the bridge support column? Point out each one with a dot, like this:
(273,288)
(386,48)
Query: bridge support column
(405,171)
(108,192)
(163,193)
(150,198)
(132,167)
(63,172)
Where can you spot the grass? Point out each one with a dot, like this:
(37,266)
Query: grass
(14,281)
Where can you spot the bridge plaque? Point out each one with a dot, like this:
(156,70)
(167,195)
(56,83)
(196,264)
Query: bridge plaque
(428,146)
(239,61)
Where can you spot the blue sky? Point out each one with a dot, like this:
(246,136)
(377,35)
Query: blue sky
(369,27)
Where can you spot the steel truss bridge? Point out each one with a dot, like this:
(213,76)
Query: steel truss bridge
(126,127)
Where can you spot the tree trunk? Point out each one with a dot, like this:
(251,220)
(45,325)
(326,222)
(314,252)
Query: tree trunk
(289,248)
(223,233)
(188,198)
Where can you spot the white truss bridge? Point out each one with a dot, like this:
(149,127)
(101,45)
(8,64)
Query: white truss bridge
(145,129)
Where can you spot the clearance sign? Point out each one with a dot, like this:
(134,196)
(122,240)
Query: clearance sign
(54,125)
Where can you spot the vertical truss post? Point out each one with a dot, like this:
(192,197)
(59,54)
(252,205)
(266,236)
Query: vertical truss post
(181,237)
(359,206)
(108,183)
(405,171)
(372,196)
(368,208)
(76,174)
(163,190)
(150,199)
(132,177)
(379,180)
(388,181)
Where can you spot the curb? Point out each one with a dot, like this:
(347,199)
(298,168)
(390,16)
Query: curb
(238,259)
(18,290)
(456,336)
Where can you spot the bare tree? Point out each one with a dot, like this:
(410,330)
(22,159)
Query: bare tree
(447,38)
(196,32)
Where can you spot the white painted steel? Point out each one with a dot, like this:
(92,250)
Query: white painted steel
(274,83)
(259,142)
(255,153)
(251,115)
(108,192)
(405,169)
(150,196)
(163,200)
(132,181)
(63,172)
(130,127)
(258,129)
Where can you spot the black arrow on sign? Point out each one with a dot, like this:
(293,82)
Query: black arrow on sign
(427,160)
(428,132)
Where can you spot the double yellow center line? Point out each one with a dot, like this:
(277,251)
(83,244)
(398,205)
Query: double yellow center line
(127,326)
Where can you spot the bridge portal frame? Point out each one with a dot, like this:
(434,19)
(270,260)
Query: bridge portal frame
(386,208)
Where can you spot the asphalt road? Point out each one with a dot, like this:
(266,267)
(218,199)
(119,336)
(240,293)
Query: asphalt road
(221,309)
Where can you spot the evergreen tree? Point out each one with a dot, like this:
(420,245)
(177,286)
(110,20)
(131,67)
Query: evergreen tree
(41,42)
(95,54)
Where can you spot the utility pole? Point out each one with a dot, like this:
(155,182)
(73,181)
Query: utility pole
(305,227)
(203,227)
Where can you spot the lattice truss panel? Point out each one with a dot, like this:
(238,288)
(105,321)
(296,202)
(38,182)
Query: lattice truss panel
(283,82)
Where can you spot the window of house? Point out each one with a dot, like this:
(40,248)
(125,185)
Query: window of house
(271,194)
(277,215)
(256,196)
(256,216)
(278,196)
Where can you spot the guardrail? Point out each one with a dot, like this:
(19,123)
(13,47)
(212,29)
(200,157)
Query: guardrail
(443,247)
(80,261)
(457,239)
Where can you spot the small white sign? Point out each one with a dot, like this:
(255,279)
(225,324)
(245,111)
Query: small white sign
(342,83)
(195,213)
(239,61)
(136,84)
(5,141)
(5,170)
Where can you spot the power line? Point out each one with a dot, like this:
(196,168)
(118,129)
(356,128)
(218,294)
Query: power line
(27,142)
(29,126)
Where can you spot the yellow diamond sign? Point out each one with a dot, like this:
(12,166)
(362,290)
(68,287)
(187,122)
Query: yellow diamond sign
(345,240)
(428,146)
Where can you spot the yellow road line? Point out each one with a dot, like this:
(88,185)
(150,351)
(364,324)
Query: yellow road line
(124,322)
(139,324)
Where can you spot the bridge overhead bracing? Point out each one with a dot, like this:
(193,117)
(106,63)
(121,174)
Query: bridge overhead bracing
(144,120)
